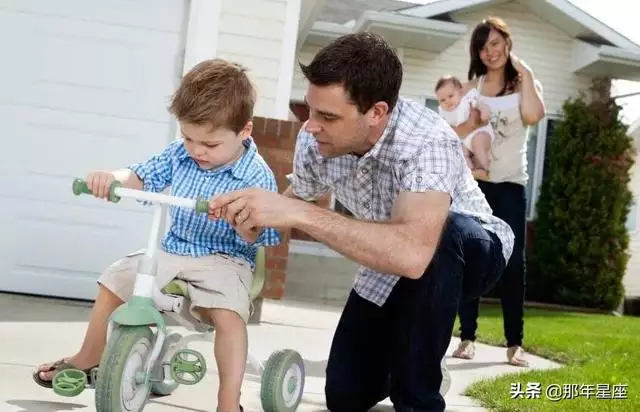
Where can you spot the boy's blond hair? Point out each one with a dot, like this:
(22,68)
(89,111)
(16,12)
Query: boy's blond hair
(215,92)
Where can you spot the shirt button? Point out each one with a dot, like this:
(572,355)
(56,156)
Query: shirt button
(366,205)
(364,170)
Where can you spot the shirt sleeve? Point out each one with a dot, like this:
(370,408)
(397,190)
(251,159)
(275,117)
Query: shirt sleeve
(156,173)
(304,179)
(438,166)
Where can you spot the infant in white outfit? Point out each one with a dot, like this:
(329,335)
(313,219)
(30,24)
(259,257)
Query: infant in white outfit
(455,107)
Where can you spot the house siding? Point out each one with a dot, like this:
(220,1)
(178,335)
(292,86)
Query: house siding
(544,47)
(251,33)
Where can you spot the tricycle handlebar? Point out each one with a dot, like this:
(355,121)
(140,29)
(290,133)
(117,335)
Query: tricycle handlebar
(116,192)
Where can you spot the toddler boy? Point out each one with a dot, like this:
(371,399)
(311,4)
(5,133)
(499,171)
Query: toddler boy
(216,154)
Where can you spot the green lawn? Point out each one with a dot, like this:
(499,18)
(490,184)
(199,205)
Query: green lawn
(597,350)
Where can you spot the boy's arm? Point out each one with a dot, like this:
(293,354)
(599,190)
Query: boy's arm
(154,174)
(128,179)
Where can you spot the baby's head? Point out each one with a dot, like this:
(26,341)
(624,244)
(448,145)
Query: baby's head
(449,92)
(214,106)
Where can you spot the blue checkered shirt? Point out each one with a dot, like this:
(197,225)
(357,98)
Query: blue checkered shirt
(193,234)
(418,151)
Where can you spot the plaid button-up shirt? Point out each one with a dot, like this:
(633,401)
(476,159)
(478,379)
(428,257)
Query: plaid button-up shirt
(417,152)
(196,235)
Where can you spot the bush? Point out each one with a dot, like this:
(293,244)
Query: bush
(579,256)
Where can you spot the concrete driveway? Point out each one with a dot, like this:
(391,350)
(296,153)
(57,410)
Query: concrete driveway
(38,330)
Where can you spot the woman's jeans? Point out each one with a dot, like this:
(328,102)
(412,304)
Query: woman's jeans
(508,201)
(395,350)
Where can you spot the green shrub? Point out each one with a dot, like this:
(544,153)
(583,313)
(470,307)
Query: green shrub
(579,254)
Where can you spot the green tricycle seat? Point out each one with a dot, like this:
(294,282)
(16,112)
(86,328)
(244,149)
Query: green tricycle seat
(179,287)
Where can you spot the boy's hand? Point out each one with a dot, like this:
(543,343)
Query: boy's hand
(99,183)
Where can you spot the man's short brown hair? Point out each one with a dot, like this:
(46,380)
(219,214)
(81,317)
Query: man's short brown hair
(215,92)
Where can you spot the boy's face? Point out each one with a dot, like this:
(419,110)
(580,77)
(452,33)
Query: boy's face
(211,148)
(448,96)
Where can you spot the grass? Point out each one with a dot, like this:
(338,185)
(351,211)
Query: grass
(595,349)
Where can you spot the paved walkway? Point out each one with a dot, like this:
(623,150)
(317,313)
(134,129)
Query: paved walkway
(37,330)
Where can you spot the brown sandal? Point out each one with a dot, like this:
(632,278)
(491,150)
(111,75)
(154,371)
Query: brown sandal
(58,366)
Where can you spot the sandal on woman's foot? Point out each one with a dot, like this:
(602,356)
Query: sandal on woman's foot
(466,350)
(515,356)
(57,366)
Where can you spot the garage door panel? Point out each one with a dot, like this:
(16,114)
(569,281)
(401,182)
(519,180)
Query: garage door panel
(86,87)
(68,243)
(161,15)
(128,74)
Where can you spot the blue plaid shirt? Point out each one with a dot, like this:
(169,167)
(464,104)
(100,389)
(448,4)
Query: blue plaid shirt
(197,235)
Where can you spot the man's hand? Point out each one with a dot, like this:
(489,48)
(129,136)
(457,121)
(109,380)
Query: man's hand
(254,208)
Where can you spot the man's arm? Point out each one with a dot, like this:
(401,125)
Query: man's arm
(403,246)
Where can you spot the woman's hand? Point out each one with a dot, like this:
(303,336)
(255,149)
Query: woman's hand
(520,65)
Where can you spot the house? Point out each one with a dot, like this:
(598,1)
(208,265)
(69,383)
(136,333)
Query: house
(84,85)
(565,46)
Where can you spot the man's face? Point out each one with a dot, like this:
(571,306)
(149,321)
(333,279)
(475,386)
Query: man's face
(335,122)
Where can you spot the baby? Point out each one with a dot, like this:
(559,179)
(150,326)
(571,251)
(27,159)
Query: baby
(455,107)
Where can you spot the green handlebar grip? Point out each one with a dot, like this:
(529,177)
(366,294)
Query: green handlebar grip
(202,205)
(80,186)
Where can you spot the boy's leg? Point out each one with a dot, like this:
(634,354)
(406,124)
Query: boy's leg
(230,351)
(114,287)
(95,337)
(219,288)
(481,148)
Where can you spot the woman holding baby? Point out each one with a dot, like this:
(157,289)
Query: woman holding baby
(507,86)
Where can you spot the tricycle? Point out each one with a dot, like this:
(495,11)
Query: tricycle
(142,357)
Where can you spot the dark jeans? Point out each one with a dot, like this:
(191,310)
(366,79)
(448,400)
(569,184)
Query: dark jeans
(508,201)
(395,350)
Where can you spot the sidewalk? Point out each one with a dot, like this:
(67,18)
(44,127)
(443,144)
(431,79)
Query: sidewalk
(37,330)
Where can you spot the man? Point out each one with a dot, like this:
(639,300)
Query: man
(423,231)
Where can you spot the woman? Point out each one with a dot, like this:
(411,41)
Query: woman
(508,86)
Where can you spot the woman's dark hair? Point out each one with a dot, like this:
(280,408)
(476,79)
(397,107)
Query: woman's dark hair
(479,38)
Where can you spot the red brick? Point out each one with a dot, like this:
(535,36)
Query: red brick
(276,276)
(282,250)
(276,263)
(272,129)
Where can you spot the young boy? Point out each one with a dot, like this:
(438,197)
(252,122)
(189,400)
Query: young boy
(214,106)
(455,107)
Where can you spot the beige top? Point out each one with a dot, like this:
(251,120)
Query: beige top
(509,149)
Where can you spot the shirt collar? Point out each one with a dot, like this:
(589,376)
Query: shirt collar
(238,168)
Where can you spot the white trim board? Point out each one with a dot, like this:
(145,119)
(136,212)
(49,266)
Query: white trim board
(287,59)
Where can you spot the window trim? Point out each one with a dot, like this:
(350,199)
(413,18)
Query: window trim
(539,157)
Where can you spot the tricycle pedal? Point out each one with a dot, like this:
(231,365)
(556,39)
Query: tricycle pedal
(69,382)
(188,371)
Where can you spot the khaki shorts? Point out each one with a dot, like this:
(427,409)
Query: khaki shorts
(215,281)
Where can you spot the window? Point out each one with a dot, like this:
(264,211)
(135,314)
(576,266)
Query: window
(431,104)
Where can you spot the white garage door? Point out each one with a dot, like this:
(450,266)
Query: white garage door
(83,85)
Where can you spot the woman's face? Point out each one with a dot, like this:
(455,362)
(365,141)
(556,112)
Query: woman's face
(495,52)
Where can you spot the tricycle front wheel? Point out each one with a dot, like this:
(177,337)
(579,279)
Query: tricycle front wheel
(117,389)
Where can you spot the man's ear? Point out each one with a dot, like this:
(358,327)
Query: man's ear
(378,112)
